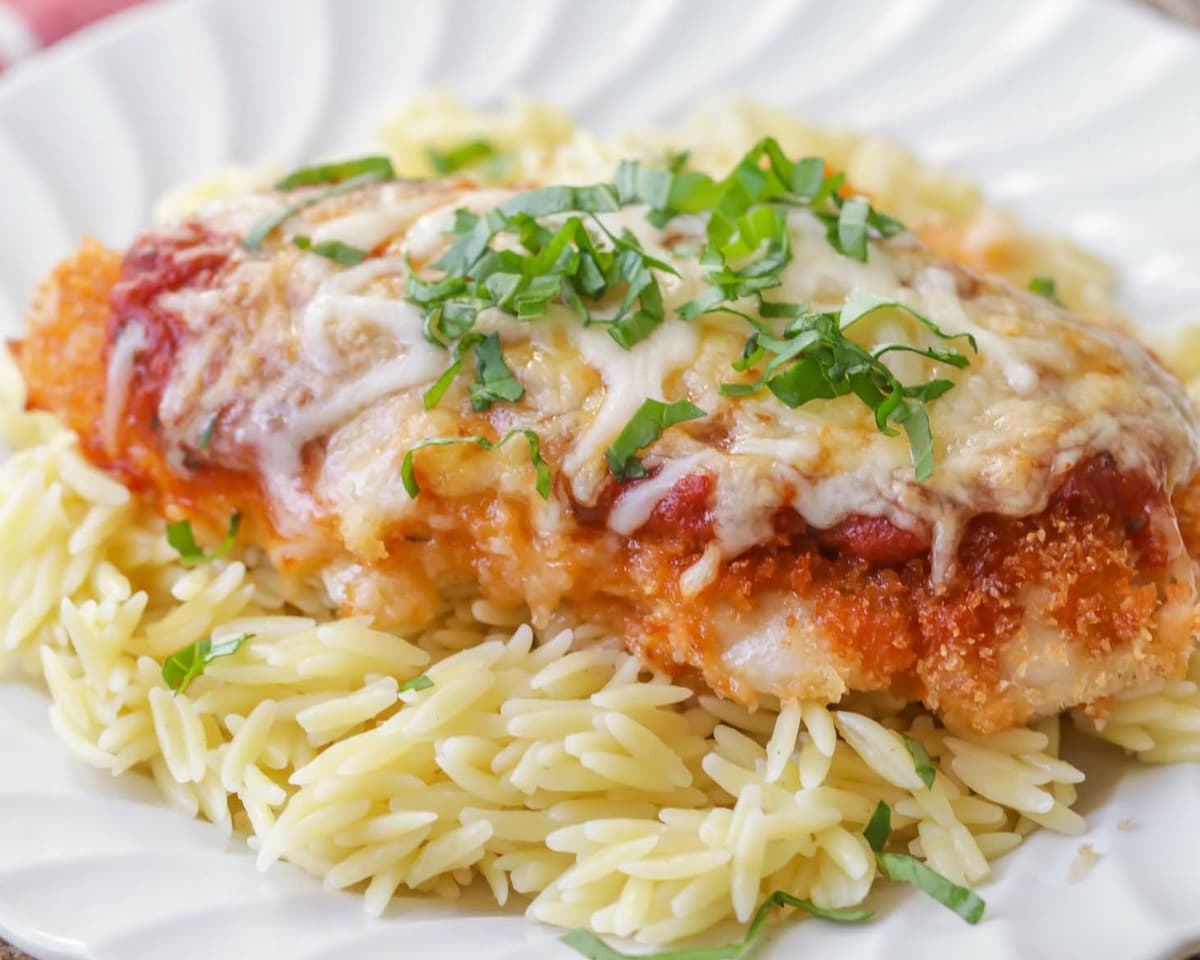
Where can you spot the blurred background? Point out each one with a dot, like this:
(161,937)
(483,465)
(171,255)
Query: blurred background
(27,26)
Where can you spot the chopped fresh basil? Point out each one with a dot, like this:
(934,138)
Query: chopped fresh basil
(449,314)
(815,360)
(748,227)
(335,250)
(495,380)
(184,666)
(592,947)
(921,762)
(764,180)
(542,468)
(180,536)
(469,154)
(258,234)
(1046,287)
(568,265)
(904,868)
(376,167)
(543,202)
(416,683)
(643,428)
(579,262)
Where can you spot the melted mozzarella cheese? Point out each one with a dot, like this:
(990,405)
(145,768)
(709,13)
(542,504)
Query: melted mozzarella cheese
(937,289)
(339,302)
(416,362)
(1045,389)
(428,235)
(368,229)
(121,364)
(630,378)
(820,276)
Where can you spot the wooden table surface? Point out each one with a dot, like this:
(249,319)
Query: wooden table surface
(1185,10)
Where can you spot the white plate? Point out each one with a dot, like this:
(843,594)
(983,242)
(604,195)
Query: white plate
(1082,115)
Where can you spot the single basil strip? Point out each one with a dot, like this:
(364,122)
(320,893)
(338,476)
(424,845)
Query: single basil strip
(185,665)
(862,304)
(632,329)
(637,183)
(206,435)
(180,536)
(378,167)
(879,827)
(258,234)
(806,177)
(1046,287)
(592,947)
(904,868)
(847,916)
(852,228)
(335,250)
(434,394)
(951,357)
(915,422)
(887,226)
(928,391)
(469,154)
(703,303)
(542,468)
(416,683)
(921,762)
(495,380)
(643,428)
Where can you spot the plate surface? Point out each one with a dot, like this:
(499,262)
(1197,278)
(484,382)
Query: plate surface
(1081,115)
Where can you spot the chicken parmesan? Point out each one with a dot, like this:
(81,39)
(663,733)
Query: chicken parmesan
(749,423)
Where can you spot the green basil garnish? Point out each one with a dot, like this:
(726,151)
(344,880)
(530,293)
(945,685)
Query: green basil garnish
(542,468)
(180,536)
(643,428)
(904,868)
(184,666)
(592,947)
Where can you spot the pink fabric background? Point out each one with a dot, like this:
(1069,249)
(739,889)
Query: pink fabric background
(51,20)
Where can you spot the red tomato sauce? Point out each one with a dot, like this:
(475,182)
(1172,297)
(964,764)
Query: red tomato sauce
(160,262)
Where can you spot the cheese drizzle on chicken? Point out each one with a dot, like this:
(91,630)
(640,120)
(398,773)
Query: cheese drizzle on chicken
(769,550)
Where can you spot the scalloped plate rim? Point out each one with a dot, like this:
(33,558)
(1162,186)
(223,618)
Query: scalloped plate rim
(1172,939)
